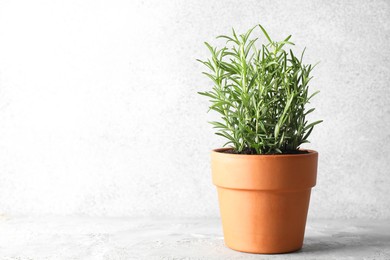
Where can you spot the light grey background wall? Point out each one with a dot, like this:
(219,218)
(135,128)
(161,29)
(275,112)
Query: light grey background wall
(99,113)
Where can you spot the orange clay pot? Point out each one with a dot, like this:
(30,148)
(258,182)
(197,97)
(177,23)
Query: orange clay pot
(264,199)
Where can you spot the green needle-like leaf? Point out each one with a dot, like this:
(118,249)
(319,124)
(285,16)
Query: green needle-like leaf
(265,34)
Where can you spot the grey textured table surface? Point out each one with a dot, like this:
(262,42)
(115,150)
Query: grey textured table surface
(126,238)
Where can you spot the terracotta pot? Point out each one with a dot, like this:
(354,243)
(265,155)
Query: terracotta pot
(264,199)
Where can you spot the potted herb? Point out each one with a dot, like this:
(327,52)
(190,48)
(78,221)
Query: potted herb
(263,179)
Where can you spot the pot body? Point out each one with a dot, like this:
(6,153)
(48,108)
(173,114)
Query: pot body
(264,199)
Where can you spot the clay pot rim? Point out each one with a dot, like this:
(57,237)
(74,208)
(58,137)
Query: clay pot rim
(219,152)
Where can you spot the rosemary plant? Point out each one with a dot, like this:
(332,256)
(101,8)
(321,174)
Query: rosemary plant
(261,94)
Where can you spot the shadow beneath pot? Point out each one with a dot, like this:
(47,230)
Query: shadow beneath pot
(357,242)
